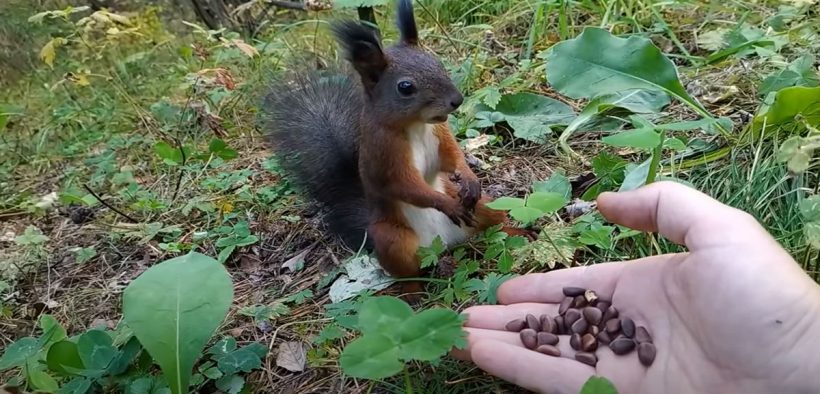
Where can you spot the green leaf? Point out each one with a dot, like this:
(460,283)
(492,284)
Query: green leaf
(329,333)
(125,357)
(231,384)
(169,154)
(812,231)
(597,235)
(172,316)
(800,72)
(84,255)
(557,183)
(372,356)
(546,202)
(96,350)
(52,330)
(531,115)
(526,215)
(488,287)
(646,139)
(341,4)
(492,96)
(431,334)
(598,385)
(597,63)
(674,144)
(240,360)
(18,352)
(383,314)
(810,208)
(788,104)
(31,236)
(505,262)
(64,358)
(505,203)
(635,176)
(42,381)
(80,385)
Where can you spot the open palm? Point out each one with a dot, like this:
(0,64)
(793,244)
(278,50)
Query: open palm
(734,314)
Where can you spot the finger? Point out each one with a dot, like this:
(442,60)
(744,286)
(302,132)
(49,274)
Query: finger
(548,287)
(681,214)
(496,317)
(528,369)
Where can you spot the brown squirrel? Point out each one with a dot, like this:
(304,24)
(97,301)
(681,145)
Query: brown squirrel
(378,152)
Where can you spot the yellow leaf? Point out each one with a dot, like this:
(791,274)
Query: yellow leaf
(118,18)
(226,207)
(112,31)
(49,51)
(245,48)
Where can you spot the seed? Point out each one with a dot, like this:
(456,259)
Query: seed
(591,296)
(560,326)
(586,358)
(593,315)
(642,335)
(532,322)
(646,353)
(621,346)
(594,330)
(611,313)
(580,326)
(546,338)
(574,291)
(565,304)
(579,302)
(602,305)
(589,343)
(515,325)
(571,316)
(528,338)
(549,350)
(613,326)
(548,325)
(603,338)
(575,341)
(628,327)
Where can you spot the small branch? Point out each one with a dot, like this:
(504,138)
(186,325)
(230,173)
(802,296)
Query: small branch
(109,206)
(290,5)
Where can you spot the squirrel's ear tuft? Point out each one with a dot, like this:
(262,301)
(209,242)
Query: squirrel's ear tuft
(407,23)
(363,49)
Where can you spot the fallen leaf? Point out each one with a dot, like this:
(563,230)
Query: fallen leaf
(363,272)
(291,356)
(296,263)
(477,142)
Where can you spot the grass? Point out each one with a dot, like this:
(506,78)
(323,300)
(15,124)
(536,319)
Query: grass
(93,122)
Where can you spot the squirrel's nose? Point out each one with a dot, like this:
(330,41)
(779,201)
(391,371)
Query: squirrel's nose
(455,102)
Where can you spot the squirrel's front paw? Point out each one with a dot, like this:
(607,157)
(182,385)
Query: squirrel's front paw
(460,215)
(469,191)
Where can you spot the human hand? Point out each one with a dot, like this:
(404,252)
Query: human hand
(733,314)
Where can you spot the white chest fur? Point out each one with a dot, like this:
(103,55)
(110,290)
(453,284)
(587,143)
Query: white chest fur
(428,222)
(424,145)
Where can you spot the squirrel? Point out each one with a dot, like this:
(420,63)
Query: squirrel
(377,151)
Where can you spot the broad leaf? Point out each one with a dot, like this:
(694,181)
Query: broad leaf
(18,352)
(431,334)
(240,360)
(526,215)
(597,63)
(646,139)
(810,208)
(76,386)
(812,231)
(52,330)
(787,105)
(64,358)
(598,385)
(174,308)
(557,183)
(506,203)
(635,176)
(546,202)
(383,314)
(96,350)
(531,115)
(42,381)
(800,72)
(371,357)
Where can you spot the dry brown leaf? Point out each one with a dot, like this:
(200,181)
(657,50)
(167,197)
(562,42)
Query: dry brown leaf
(245,47)
(297,262)
(291,356)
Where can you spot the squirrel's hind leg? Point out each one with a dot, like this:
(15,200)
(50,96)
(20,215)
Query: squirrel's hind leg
(396,245)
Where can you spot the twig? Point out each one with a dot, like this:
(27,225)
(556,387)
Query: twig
(109,206)
(291,5)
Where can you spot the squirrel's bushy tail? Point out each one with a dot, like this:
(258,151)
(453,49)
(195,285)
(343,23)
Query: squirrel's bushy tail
(312,123)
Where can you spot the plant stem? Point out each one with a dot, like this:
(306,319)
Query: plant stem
(656,159)
(408,386)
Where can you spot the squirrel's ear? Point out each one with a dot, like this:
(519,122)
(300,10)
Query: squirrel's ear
(407,23)
(363,49)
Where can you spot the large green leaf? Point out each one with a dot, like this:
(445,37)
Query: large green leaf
(64,358)
(598,385)
(18,352)
(636,176)
(787,105)
(557,183)
(546,202)
(430,334)
(531,115)
(96,349)
(800,72)
(380,314)
(597,63)
(371,357)
(646,139)
(505,203)
(174,308)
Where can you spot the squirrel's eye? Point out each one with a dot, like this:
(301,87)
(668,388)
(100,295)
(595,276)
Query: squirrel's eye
(406,88)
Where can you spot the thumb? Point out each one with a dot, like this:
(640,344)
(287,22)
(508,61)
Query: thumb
(681,214)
